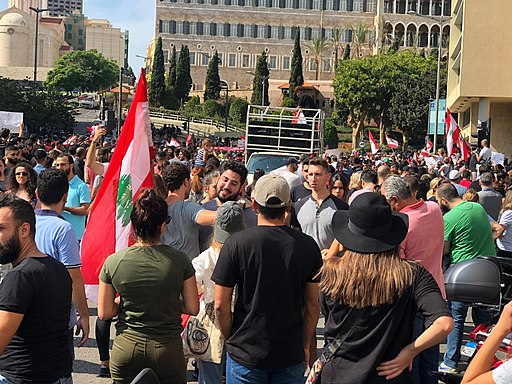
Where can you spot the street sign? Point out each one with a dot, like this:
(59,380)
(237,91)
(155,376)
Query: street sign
(440,117)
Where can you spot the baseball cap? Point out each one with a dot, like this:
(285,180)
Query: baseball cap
(272,191)
(40,154)
(229,219)
(454,174)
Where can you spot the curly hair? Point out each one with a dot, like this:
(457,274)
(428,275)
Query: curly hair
(31,185)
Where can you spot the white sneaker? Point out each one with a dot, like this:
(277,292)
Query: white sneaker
(446,369)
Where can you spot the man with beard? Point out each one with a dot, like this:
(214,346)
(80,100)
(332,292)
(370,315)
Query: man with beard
(79,196)
(229,187)
(11,159)
(35,302)
(467,235)
(185,217)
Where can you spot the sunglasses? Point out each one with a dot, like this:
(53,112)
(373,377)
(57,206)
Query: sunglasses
(21,174)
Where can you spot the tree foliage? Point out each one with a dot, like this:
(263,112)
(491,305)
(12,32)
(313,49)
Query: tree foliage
(85,70)
(288,102)
(42,110)
(212,108)
(296,74)
(317,49)
(366,86)
(212,83)
(331,134)
(157,84)
(346,54)
(238,110)
(260,76)
(171,75)
(183,77)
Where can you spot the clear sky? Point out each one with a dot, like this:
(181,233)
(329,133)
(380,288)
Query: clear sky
(137,16)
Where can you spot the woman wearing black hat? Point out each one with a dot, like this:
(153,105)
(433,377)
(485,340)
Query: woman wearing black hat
(370,296)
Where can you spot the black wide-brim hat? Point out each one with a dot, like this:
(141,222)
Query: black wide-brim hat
(369,225)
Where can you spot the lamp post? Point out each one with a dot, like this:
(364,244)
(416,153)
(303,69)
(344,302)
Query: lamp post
(120,101)
(145,60)
(226,112)
(37,12)
(263,83)
(442,20)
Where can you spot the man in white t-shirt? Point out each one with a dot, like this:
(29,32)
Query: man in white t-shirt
(485,152)
(290,174)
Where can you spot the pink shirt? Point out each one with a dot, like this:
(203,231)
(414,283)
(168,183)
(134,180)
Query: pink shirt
(425,239)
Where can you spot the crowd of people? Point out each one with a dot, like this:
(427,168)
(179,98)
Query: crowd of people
(361,240)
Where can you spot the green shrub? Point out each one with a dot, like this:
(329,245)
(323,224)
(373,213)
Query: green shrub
(288,102)
(238,110)
(212,108)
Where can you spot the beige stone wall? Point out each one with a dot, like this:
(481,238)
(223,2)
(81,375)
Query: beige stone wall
(105,39)
(501,128)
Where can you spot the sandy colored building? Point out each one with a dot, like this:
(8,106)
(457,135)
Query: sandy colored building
(25,5)
(17,51)
(479,75)
(106,39)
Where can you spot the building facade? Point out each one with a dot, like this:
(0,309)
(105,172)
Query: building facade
(25,5)
(106,39)
(75,30)
(240,30)
(479,75)
(17,48)
(67,7)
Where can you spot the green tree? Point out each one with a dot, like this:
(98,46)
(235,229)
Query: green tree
(238,110)
(336,44)
(317,48)
(41,109)
(157,83)
(260,77)
(212,108)
(346,54)
(288,102)
(128,72)
(193,105)
(296,74)
(331,134)
(360,33)
(212,83)
(171,75)
(183,78)
(86,70)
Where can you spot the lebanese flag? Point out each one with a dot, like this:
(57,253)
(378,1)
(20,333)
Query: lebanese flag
(172,143)
(92,130)
(465,150)
(373,143)
(452,132)
(108,228)
(189,139)
(70,140)
(429,146)
(392,143)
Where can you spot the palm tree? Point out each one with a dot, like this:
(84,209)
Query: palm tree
(359,37)
(336,41)
(317,50)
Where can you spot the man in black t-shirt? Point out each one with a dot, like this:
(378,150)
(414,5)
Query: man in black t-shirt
(35,301)
(274,268)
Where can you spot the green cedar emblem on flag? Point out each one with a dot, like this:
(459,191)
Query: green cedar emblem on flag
(124,201)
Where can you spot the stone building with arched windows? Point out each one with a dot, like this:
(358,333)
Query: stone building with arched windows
(17,44)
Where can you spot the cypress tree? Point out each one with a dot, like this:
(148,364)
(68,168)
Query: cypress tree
(183,79)
(261,73)
(296,76)
(157,84)
(171,77)
(212,83)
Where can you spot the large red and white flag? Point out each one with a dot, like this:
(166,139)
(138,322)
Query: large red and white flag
(452,132)
(373,143)
(173,143)
(392,143)
(108,228)
(465,149)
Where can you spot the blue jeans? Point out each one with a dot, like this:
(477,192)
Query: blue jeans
(238,374)
(63,380)
(454,342)
(427,360)
(209,372)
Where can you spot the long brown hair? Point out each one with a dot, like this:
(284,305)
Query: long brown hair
(507,202)
(361,280)
(196,179)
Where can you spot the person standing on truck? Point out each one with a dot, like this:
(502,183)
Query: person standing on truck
(305,101)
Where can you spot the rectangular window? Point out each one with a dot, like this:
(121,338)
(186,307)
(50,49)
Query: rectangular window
(275,3)
(312,65)
(303,4)
(326,65)
(233,30)
(289,4)
(205,59)
(246,60)
(329,5)
(193,28)
(317,4)
(164,27)
(192,57)
(288,33)
(358,6)
(166,56)
(343,5)
(207,29)
(261,32)
(286,63)
(316,33)
(221,59)
(274,32)
(328,34)
(220,29)
(248,30)
(272,62)
(232,60)
(179,27)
